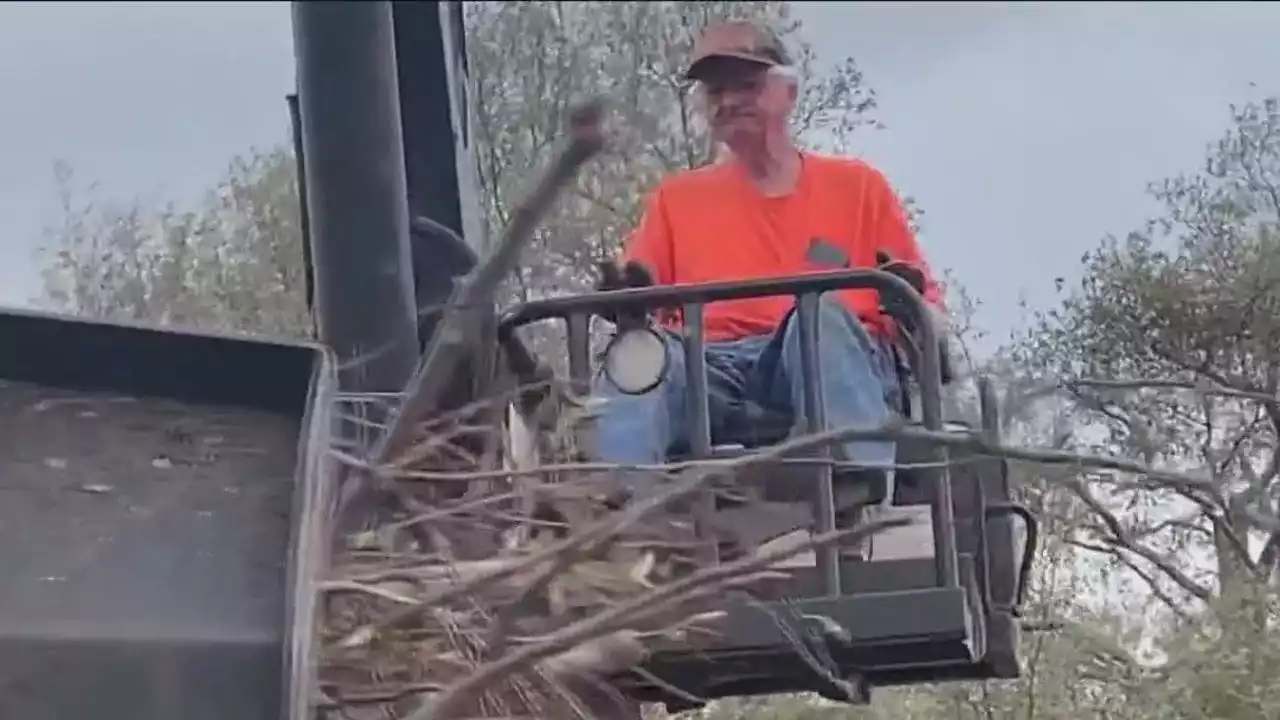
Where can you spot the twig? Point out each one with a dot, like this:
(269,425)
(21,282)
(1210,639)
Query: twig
(470,476)
(375,697)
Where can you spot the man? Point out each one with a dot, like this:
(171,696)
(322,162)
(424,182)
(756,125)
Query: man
(757,213)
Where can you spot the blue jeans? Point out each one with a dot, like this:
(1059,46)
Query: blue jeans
(859,381)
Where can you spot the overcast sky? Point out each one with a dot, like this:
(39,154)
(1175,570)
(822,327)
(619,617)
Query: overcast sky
(1026,131)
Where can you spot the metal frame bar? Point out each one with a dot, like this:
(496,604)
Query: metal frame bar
(814,412)
(697,400)
(304,217)
(900,300)
(578,338)
(697,397)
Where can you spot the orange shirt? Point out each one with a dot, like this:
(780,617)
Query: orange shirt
(712,224)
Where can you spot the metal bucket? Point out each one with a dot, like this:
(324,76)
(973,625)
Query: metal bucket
(162,504)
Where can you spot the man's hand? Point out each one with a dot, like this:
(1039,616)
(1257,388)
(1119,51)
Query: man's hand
(941,324)
(630,275)
(914,277)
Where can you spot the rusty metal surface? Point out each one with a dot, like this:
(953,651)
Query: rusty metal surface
(126,518)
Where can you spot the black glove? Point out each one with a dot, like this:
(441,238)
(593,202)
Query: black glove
(630,275)
(915,279)
(913,276)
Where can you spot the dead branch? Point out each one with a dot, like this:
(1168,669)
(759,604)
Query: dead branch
(616,523)
(602,640)
(971,441)
(1201,387)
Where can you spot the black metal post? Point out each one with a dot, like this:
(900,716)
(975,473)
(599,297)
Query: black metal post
(698,416)
(578,332)
(698,411)
(355,179)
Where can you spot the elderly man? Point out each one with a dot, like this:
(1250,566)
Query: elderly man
(756,213)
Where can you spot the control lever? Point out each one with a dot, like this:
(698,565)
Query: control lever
(941,324)
(533,375)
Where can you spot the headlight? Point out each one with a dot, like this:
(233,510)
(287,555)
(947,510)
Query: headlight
(635,361)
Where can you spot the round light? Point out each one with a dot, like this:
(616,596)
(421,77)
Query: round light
(636,360)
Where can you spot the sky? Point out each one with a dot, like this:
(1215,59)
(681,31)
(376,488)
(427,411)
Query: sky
(1026,131)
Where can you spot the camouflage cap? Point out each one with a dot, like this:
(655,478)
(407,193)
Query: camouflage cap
(738,39)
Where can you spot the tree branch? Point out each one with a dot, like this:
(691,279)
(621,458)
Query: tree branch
(1119,536)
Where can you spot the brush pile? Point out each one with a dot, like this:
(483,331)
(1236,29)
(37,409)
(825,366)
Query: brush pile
(480,565)
(470,599)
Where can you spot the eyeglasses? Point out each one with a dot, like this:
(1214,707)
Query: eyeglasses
(740,81)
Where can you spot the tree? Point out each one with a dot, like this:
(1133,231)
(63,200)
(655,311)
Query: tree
(232,263)
(1169,352)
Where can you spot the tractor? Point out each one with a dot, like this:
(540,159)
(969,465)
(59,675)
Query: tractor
(169,492)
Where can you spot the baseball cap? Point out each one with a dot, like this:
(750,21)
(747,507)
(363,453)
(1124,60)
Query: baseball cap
(738,39)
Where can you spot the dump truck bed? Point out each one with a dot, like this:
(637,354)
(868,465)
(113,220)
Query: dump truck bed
(151,487)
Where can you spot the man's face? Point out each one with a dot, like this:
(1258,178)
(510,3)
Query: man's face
(744,100)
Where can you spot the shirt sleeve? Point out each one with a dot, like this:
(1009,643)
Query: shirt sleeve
(651,244)
(887,217)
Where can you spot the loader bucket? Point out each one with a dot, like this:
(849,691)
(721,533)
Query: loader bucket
(158,493)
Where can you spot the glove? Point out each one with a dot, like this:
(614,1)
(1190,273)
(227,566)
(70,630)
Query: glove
(913,276)
(915,279)
(630,275)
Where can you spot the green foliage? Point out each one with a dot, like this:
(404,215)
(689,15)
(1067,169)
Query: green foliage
(232,263)
(1178,320)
